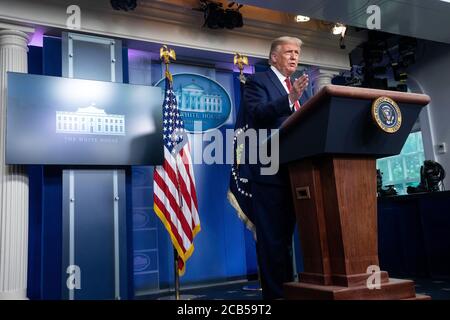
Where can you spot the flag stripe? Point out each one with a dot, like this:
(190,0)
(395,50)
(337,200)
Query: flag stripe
(164,175)
(186,156)
(167,217)
(170,172)
(174,206)
(172,223)
(180,179)
(172,183)
(183,185)
(181,217)
(176,237)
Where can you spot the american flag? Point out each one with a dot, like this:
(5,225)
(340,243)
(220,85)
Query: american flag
(175,199)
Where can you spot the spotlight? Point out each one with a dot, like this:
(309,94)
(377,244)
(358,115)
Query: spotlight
(407,45)
(340,29)
(214,16)
(399,72)
(383,53)
(383,192)
(125,5)
(408,59)
(431,176)
(300,18)
(218,18)
(373,55)
(233,18)
(342,43)
(379,70)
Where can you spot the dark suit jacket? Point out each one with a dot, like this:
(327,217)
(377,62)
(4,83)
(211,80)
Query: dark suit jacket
(266,106)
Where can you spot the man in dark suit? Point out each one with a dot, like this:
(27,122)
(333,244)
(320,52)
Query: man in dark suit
(269,98)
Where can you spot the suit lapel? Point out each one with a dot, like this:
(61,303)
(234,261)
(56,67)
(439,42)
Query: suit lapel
(281,90)
(276,82)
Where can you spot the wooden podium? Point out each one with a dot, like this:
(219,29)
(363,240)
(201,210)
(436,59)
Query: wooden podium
(331,146)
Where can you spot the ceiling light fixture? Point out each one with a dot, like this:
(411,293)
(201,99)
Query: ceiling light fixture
(300,18)
(339,29)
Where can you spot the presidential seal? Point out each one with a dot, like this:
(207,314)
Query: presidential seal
(386,114)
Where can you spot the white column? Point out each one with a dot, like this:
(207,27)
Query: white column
(13,179)
(321,77)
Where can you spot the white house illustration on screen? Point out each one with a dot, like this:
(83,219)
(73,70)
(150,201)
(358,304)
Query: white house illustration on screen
(193,98)
(90,120)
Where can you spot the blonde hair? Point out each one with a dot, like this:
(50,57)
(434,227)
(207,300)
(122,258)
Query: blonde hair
(280,41)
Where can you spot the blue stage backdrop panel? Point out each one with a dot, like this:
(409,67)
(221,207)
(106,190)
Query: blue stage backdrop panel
(35,175)
(50,277)
(45,226)
(34,60)
(91,57)
(146,249)
(93,219)
(109,124)
(52,57)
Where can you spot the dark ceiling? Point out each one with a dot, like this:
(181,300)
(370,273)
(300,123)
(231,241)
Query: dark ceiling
(423,19)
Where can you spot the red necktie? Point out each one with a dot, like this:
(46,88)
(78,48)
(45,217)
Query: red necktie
(289,86)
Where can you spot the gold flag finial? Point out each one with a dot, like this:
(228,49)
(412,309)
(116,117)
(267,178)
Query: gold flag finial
(240,60)
(166,55)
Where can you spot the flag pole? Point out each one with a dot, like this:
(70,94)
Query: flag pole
(240,60)
(166,55)
(177,275)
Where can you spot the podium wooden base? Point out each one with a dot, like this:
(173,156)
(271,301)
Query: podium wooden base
(336,208)
(394,289)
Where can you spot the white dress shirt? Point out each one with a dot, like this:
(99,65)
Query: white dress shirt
(283,82)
